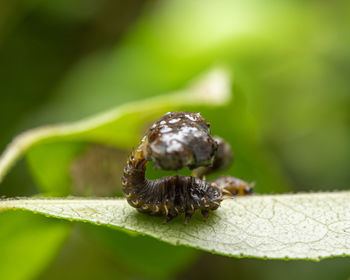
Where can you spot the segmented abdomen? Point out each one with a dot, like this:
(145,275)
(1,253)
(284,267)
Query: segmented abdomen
(169,196)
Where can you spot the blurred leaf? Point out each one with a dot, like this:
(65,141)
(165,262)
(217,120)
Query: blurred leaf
(302,226)
(49,164)
(143,255)
(83,258)
(121,126)
(28,243)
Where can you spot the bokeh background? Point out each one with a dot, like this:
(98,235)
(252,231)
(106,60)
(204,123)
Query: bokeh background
(288,122)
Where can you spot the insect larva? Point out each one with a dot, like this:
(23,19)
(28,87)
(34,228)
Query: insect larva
(177,140)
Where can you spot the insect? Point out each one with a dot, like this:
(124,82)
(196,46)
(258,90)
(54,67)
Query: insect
(175,141)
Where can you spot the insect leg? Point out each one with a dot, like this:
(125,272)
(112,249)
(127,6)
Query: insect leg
(205,214)
(188,214)
(168,218)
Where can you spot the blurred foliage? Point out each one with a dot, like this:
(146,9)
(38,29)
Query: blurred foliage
(288,124)
(98,252)
(21,259)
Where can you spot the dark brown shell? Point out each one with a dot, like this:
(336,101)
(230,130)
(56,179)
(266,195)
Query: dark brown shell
(178,140)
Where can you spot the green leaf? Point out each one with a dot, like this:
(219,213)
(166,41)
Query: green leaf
(21,259)
(123,125)
(301,226)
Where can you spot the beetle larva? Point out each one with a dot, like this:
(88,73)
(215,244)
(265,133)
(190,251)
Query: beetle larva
(177,140)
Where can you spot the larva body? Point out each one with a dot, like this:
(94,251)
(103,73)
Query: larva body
(175,141)
(168,196)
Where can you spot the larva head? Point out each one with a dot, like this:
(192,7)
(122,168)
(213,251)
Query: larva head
(180,139)
(214,196)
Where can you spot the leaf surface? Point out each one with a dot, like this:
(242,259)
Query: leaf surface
(300,226)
